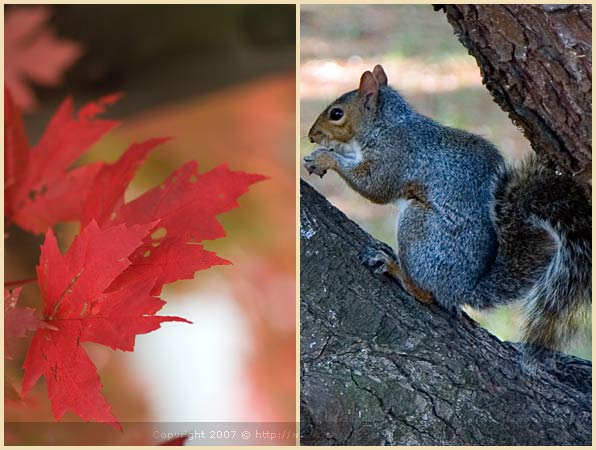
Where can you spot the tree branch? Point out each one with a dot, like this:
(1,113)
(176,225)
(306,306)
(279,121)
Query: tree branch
(380,368)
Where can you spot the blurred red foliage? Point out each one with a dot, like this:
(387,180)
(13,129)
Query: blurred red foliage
(33,53)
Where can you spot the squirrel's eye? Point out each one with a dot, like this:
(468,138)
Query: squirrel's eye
(336,114)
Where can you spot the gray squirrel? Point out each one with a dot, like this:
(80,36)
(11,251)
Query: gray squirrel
(471,228)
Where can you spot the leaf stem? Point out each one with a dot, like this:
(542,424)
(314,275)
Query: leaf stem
(13,284)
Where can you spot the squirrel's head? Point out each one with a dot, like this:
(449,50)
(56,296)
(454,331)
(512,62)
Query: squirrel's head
(343,119)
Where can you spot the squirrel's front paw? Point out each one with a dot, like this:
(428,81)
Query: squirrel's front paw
(377,259)
(319,161)
(310,166)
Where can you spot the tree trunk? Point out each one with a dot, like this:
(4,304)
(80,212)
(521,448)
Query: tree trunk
(379,368)
(536,61)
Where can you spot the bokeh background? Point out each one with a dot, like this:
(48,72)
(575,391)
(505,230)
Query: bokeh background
(221,81)
(426,63)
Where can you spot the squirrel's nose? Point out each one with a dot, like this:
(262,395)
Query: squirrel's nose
(315,135)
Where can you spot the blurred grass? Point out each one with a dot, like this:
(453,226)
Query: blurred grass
(426,62)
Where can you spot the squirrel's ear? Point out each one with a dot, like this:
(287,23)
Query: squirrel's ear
(380,75)
(369,89)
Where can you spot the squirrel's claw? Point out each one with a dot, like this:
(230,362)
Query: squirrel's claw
(308,164)
(375,259)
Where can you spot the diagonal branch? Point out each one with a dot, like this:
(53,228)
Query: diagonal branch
(380,368)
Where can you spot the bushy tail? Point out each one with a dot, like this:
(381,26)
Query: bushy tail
(544,226)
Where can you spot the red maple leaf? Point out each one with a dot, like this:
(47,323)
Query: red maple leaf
(186,205)
(17,320)
(104,289)
(33,53)
(76,303)
(175,441)
(39,188)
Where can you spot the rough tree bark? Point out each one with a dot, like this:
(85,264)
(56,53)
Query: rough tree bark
(536,61)
(377,367)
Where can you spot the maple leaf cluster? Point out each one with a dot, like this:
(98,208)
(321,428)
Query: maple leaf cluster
(105,288)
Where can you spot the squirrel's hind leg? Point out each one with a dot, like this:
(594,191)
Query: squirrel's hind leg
(384,262)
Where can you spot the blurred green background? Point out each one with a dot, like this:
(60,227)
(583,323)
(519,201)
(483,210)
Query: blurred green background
(428,65)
